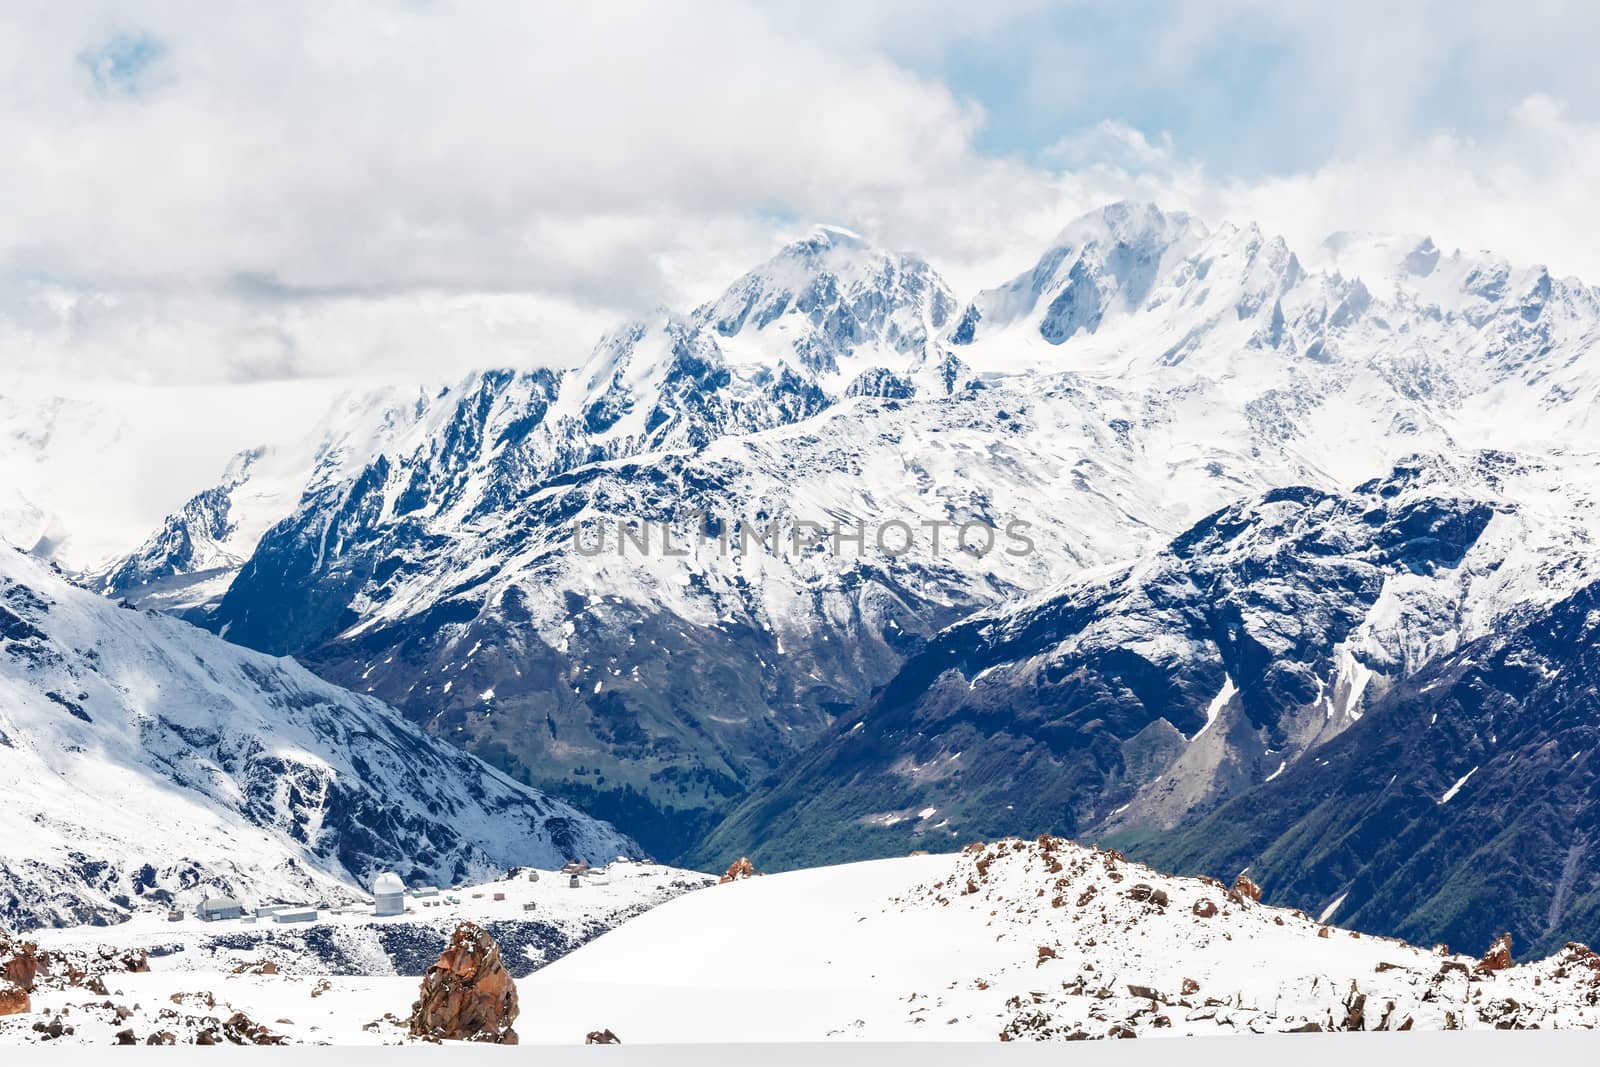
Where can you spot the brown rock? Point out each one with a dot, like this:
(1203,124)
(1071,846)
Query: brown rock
(1204,908)
(739,871)
(468,995)
(602,1037)
(259,967)
(14,1000)
(1355,1012)
(19,962)
(1246,888)
(240,1029)
(1498,958)
(1322,932)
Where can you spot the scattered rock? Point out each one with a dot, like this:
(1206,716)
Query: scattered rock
(1204,908)
(468,995)
(602,1037)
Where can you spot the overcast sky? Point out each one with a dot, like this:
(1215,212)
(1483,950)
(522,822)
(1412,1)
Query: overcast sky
(200,192)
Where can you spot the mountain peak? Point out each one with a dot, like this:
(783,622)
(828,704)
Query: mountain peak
(1126,222)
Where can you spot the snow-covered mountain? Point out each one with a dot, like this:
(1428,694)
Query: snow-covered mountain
(1148,370)
(186,566)
(1135,697)
(1465,800)
(144,758)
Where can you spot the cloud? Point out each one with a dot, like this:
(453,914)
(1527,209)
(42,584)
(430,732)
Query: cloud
(215,192)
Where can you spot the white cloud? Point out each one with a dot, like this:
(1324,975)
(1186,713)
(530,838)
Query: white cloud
(204,191)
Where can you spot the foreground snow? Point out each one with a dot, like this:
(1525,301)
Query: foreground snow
(344,979)
(992,942)
(1041,940)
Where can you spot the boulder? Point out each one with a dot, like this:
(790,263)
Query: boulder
(1498,958)
(19,962)
(14,1000)
(602,1037)
(1246,888)
(468,995)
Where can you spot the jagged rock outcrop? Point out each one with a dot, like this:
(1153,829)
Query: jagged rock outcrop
(1498,958)
(1246,888)
(739,870)
(19,961)
(468,995)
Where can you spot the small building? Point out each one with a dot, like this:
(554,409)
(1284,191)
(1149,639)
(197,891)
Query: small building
(573,882)
(499,896)
(212,909)
(174,916)
(425,891)
(533,876)
(530,906)
(296,915)
(388,894)
(576,867)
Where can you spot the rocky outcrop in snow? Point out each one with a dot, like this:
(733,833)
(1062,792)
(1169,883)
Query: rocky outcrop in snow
(467,995)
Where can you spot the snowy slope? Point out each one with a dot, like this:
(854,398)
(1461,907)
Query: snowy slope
(1032,940)
(144,757)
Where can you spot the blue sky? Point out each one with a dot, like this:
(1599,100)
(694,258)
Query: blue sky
(1251,89)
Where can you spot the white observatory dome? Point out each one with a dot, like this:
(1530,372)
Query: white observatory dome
(387,884)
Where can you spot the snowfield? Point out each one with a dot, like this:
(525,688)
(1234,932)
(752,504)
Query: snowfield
(1031,940)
